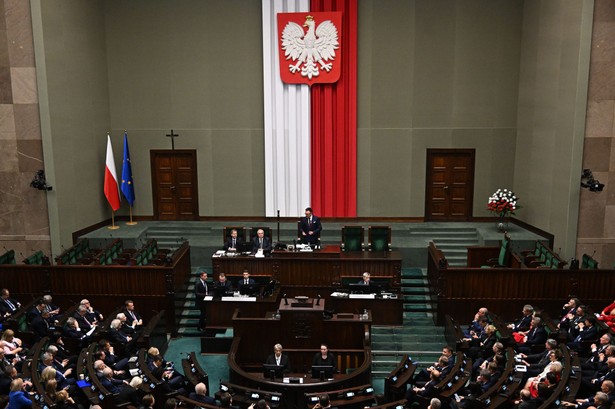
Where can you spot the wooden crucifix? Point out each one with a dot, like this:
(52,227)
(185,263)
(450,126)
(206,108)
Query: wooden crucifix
(172,136)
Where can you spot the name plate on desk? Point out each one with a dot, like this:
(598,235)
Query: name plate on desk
(248,299)
(208,298)
(362,296)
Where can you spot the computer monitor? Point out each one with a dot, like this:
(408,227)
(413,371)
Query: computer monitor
(360,288)
(322,371)
(271,371)
(250,289)
(220,291)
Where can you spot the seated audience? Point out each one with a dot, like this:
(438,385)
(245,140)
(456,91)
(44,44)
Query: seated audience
(17,397)
(523,323)
(200,394)
(133,318)
(8,305)
(536,335)
(475,328)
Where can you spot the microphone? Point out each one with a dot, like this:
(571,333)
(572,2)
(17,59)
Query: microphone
(285,300)
(318,300)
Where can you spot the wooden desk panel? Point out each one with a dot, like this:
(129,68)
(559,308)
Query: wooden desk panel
(318,268)
(384,312)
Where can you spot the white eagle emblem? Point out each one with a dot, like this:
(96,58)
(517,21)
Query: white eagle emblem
(316,46)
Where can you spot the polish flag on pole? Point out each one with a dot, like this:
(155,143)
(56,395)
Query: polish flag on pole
(112,190)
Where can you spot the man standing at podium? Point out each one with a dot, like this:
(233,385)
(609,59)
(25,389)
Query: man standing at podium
(324,357)
(278,358)
(310,228)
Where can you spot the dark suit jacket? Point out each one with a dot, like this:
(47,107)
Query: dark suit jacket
(40,327)
(117,336)
(242,282)
(84,324)
(522,324)
(4,306)
(200,291)
(227,285)
(587,334)
(283,361)
(129,318)
(229,243)
(307,227)
(536,336)
(266,244)
(202,399)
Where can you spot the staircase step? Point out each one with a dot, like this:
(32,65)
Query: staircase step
(414,282)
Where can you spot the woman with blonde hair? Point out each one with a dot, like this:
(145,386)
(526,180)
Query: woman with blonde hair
(17,397)
(48,374)
(12,346)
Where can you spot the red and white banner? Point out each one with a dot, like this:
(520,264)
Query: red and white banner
(112,190)
(310,47)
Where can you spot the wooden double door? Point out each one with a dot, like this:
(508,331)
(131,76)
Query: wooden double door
(450,184)
(174,184)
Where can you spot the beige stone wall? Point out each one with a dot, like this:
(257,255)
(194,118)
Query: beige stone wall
(24,223)
(596,229)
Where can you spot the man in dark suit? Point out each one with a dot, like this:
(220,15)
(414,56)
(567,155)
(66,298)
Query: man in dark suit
(200,394)
(201,290)
(233,242)
(133,319)
(537,335)
(224,283)
(523,323)
(587,332)
(261,242)
(428,390)
(83,320)
(310,227)
(39,307)
(8,305)
(40,326)
(597,354)
(366,279)
(278,358)
(246,280)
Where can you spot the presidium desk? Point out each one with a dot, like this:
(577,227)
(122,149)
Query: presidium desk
(320,272)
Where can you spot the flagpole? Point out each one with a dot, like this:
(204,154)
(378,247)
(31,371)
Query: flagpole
(113,226)
(131,223)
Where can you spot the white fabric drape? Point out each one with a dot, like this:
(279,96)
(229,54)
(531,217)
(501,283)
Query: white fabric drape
(287,123)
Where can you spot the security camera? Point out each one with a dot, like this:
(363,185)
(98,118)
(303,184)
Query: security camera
(39,182)
(588,181)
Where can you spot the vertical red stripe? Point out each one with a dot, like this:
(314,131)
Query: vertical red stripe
(334,125)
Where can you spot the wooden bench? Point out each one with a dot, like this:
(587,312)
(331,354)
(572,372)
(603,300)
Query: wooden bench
(396,382)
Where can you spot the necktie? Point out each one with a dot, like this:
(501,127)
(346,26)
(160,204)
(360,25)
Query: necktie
(261,242)
(245,281)
(134,317)
(233,243)
(277,361)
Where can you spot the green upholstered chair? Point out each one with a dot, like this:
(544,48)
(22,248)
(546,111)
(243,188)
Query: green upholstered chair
(226,232)
(379,238)
(503,259)
(588,262)
(352,238)
(8,257)
(37,258)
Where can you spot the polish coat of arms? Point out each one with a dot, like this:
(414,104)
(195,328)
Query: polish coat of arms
(310,47)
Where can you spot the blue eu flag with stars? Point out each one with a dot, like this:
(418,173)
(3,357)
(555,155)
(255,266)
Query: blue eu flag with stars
(127,187)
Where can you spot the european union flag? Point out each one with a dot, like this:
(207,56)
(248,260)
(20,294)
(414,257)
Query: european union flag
(127,187)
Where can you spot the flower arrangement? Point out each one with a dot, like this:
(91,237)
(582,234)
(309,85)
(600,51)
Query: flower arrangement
(503,203)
